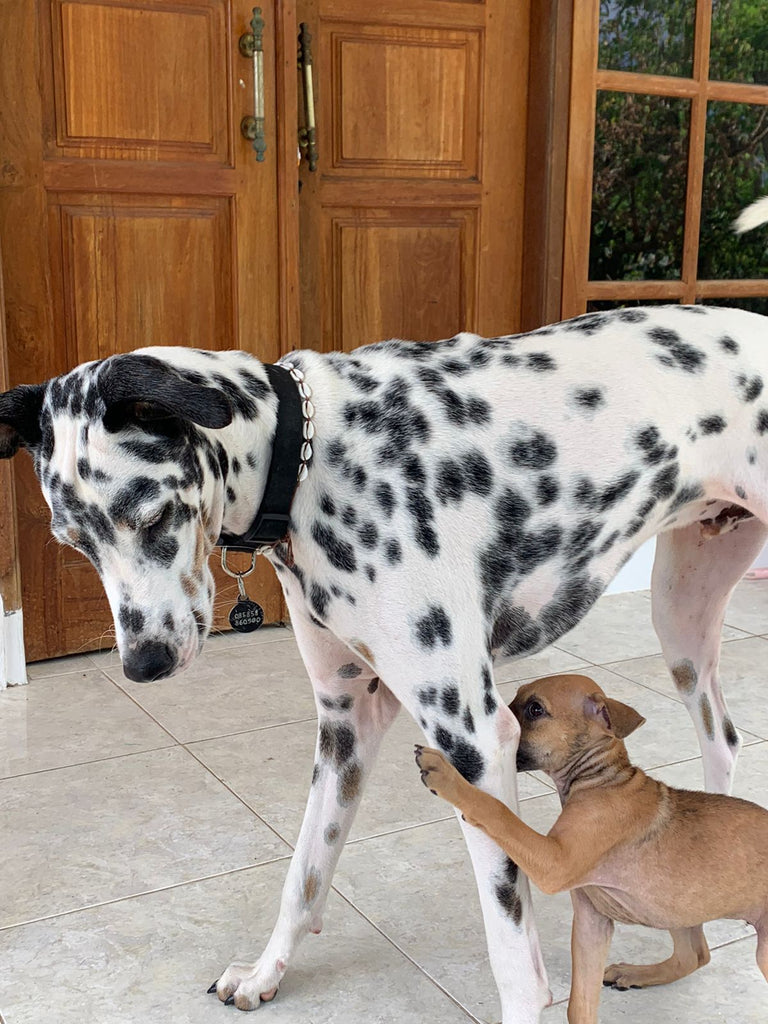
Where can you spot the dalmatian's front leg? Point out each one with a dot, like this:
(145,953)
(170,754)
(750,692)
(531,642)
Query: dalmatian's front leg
(354,710)
(449,690)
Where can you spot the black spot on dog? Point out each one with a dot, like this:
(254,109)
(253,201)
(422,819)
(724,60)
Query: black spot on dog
(727,344)
(131,619)
(427,695)
(350,780)
(686,494)
(349,671)
(729,731)
(369,535)
(385,497)
(434,627)
(685,675)
(339,553)
(631,316)
(588,398)
(466,759)
(332,833)
(127,502)
(327,505)
(336,742)
(444,739)
(540,362)
(514,631)
(707,718)
(678,354)
(547,489)
(664,483)
(468,720)
(761,422)
(536,452)
(712,425)
(740,492)
(319,599)
(449,700)
(749,388)
(393,552)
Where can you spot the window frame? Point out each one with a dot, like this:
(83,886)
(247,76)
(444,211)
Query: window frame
(586,81)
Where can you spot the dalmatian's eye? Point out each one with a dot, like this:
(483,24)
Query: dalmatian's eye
(157,519)
(534,709)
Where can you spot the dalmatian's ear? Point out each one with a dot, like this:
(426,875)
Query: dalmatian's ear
(141,388)
(20,418)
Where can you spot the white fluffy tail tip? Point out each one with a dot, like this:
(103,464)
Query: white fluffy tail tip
(754,215)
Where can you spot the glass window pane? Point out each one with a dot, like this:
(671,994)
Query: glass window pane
(735,174)
(753,305)
(638,191)
(654,37)
(739,49)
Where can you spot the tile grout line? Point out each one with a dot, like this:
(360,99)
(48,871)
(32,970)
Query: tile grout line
(143,893)
(422,970)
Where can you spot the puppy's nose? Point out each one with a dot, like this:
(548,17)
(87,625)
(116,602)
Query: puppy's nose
(151,660)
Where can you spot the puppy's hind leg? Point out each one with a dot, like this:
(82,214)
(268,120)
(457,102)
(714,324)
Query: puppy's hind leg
(590,940)
(692,581)
(691,952)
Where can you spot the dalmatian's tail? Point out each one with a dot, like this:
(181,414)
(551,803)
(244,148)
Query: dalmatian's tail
(752,217)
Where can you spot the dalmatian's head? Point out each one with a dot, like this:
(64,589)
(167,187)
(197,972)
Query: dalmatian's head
(134,457)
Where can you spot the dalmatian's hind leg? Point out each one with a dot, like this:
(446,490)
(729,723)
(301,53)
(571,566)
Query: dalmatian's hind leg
(693,578)
(354,710)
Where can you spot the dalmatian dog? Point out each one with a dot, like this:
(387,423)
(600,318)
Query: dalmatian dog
(466,500)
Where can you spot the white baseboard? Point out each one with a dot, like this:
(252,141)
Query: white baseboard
(13,667)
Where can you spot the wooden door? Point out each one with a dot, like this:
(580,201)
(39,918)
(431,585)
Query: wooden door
(412,224)
(132,212)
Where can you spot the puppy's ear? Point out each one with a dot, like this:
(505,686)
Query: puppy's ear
(612,715)
(20,418)
(624,719)
(143,388)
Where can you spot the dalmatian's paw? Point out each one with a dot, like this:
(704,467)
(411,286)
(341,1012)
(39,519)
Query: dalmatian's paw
(438,775)
(247,985)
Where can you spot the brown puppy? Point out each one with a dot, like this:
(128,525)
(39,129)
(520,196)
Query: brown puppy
(629,848)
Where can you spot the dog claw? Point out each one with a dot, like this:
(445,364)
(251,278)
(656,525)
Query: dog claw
(213,987)
(229,1001)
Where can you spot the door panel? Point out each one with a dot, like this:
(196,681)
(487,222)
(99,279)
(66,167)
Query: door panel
(146,219)
(403,101)
(142,81)
(399,273)
(412,224)
(159,250)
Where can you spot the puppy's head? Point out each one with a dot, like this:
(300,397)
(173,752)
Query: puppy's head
(561,716)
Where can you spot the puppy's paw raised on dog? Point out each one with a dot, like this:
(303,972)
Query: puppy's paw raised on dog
(437,774)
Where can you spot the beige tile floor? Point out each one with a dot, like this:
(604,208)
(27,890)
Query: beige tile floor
(146,830)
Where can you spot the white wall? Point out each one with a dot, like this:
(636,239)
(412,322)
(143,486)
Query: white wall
(636,574)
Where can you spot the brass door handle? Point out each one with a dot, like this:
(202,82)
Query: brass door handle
(307,134)
(251,47)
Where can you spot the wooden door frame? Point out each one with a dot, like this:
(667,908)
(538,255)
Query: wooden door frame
(287,113)
(546,179)
(10,580)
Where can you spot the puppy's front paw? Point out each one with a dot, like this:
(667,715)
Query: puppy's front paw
(440,777)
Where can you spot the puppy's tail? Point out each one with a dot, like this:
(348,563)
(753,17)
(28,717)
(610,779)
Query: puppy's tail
(752,217)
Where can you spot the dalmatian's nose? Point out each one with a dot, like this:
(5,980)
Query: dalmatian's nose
(149,661)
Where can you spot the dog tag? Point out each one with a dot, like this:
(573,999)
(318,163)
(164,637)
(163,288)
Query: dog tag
(246,616)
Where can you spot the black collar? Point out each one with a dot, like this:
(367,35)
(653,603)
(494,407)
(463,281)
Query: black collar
(271,521)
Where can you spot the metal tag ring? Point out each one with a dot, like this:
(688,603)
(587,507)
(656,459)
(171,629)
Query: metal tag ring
(231,572)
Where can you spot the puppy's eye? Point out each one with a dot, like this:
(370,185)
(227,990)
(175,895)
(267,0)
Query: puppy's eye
(534,709)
